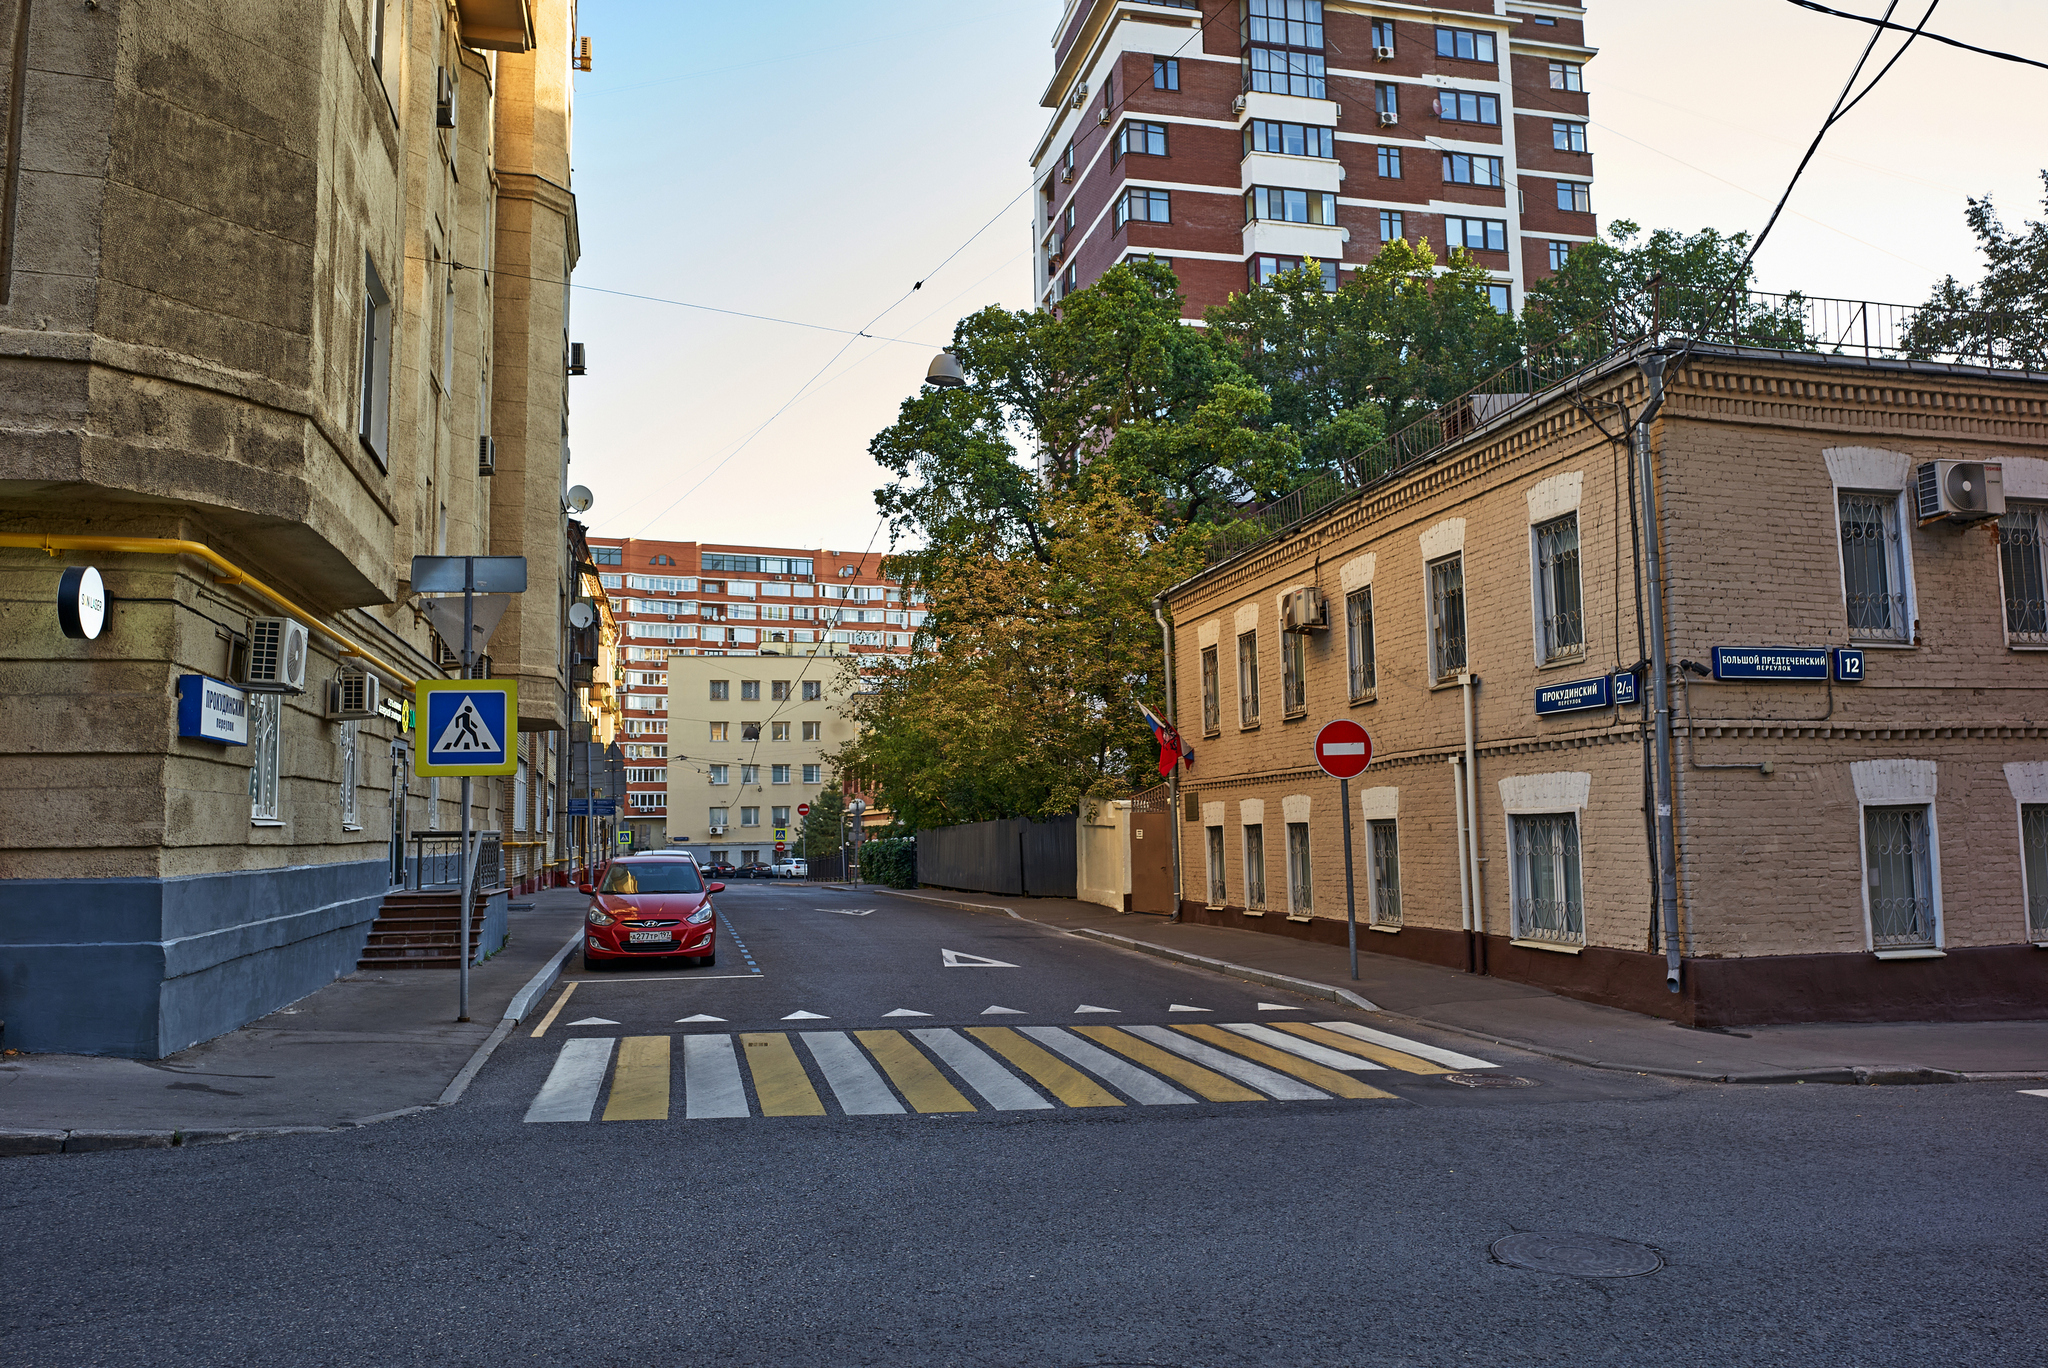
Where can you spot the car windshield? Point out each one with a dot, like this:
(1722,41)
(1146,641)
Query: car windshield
(648,876)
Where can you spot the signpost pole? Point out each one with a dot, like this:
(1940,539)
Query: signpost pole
(1343,750)
(462,935)
(1350,898)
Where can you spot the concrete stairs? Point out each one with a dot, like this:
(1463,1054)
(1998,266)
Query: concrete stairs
(420,929)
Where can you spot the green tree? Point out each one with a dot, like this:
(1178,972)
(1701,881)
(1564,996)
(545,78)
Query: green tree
(818,834)
(2003,318)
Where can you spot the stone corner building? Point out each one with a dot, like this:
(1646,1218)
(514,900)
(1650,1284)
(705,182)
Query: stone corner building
(283,303)
(1866,842)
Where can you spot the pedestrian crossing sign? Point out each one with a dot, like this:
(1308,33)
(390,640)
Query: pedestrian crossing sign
(464,727)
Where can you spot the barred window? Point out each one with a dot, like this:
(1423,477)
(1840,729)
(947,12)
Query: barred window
(2021,570)
(1217,892)
(351,776)
(1900,864)
(813,690)
(721,690)
(1212,691)
(266,720)
(1383,857)
(2034,853)
(1548,904)
(1248,680)
(1873,568)
(1446,617)
(1294,673)
(1557,588)
(1255,867)
(1301,899)
(1364,665)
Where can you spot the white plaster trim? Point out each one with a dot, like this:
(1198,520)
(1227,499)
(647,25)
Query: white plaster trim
(1206,634)
(1867,468)
(1446,538)
(1294,807)
(1894,783)
(1212,814)
(1356,573)
(2028,780)
(1251,812)
(1247,617)
(1556,496)
(1379,804)
(1563,791)
(2026,477)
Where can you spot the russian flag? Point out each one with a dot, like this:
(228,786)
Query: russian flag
(1171,747)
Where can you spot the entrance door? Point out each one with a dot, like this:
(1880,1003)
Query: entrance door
(1152,862)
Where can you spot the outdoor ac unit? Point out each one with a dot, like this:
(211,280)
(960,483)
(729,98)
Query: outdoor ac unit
(715,831)
(1103,117)
(1388,118)
(1305,611)
(352,693)
(1080,94)
(1066,174)
(486,456)
(1237,105)
(277,656)
(1961,491)
(1383,54)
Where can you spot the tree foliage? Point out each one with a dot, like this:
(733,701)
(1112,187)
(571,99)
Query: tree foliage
(2003,318)
(818,834)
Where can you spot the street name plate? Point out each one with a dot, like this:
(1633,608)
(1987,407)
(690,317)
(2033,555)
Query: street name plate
(1597,692)
(1770,662)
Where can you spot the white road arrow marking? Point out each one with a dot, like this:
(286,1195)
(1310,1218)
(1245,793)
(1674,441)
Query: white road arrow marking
(957,959)
(1178,1008)
(1000,1011)
(847,912)
(905,1011)
(681,1021)
(1084,1007)
(1278,1007)
(807,1016)
(594,1021)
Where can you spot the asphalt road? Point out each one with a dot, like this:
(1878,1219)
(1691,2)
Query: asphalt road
(1797,1225)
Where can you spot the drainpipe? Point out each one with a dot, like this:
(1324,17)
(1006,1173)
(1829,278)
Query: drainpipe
(1652,366)
(1464,870)
(1467,682)
(1172,715)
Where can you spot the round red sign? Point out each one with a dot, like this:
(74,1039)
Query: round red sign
(1343,749)
(803,809)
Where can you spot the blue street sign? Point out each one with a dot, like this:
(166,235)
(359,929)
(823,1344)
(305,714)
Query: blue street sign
(1770,662)
(209,710)
(1849,664)
(1625,687)
(466,727)
(1596,692)
(593,807)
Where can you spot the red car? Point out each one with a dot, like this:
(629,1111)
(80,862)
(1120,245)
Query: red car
(656,906)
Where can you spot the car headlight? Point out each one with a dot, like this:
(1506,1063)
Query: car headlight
(599,917)
(701,915)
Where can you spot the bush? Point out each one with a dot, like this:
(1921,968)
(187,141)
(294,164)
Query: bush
(890,862)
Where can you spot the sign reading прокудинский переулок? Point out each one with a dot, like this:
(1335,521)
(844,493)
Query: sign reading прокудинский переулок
(1771,662)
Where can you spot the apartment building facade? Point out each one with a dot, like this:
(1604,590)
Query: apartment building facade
(1238,138)
(1859,699)
(272,328)
(685,600)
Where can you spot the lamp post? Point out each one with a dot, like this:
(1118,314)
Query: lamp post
(854,812)
(944,371)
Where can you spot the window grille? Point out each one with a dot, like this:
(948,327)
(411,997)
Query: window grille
(1557,588)
(1447,617)
(1873,568)
(1212,691)
(1294,673)
(1358,624)
(1299,871)
(351,776)
(1217,892)
(1384,851)
(1901,877)
(519,796)
(1248,680)
(2034,848)
(2021,570)
(266,719)
(1548,905)
(1255,867)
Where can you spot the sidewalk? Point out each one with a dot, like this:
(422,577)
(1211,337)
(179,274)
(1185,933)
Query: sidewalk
(368,1046)
(1528,1018)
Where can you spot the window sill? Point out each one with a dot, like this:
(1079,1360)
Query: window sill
(1551,946)
(1856,645)
(2026,645)
(1260,912)
(1248,727)
(265,822)
(1564,663)
(344,826)
(1363,699)
(1294,917)
(1910,954)
(1453,682)
(1301,716)
(1390,930)
(1212,735)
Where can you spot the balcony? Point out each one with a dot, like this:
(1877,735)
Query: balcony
(1271,236)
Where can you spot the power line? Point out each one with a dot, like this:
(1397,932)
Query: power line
(1885,23)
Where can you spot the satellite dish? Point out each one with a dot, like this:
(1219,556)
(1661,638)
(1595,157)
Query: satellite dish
(581,615)
(579,499)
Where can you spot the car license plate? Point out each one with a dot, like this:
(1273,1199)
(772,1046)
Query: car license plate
(640,936)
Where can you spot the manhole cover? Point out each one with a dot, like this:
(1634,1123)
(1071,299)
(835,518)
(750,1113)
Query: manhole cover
(1479,1080)
(1581,1256)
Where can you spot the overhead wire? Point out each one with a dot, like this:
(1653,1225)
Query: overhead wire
(1885,23)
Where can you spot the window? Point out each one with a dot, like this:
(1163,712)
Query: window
(1166,73)
(750,731)
(1289,139)
(1217,893)
(1293,673)
(2021,571)
(1497,295)
(1464,44)
(1548,905)
(1364,669)
(778,816)
(1390,163)
(813,774)
(1248,680)
(778,774)
(1148,139)
(757,565)
(647,802)
(607,555)
(1392,225)
(1557,589)
(814,731)
(1873,568)
(719,731)
(646,776)
(1212,693)
(266,718)
(1386,99)
(1462,168)
(1565,76)
(721,690)
(1144,206)
(813,690)
(1383,35)
(750,816)
(1285,40)
(1290,206)
(1568,137)
(1548,23)
(1476,235)
(1073,217)
(779,690)
(1300,897)
(1067,158)
(373,407)
(778,731)
(350,743)
(1446,617)
(750,691)
(661,560)
(1264,268)
(1900,861)
(1383,861)
(1466,106)
(1560,252)
(720,773)
(1575,197)
(2034,863)
(1255,867)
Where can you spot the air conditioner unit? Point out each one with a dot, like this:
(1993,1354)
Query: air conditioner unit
(1306,611)
(1237,105)
(1383,54)
(1961,491)
(276,661)
(1066,174)
(486,456)
(352,693)
(1080,94)
(1388,118)
(1103,117)
(715,831)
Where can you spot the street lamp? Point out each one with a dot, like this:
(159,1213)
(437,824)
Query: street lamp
(854,811)
(944,371)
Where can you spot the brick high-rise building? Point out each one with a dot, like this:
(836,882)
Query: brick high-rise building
(1240,138)
(707,598)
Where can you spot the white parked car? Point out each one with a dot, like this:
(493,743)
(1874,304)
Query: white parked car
(793,869)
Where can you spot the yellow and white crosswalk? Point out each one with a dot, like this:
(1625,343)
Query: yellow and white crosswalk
(933,1070)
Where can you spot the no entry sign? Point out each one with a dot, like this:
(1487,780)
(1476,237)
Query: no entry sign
(1343,749)
(803,809)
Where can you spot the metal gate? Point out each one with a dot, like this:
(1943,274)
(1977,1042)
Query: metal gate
(1010,855)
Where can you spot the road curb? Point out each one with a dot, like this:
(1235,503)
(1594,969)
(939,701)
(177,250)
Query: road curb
(1267,977)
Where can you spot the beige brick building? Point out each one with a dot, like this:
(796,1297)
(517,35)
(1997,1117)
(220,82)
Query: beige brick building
(1867,847)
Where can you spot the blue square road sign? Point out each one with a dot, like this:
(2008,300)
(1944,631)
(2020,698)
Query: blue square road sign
(465,727)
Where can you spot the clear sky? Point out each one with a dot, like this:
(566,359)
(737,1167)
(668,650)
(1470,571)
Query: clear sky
(811,162)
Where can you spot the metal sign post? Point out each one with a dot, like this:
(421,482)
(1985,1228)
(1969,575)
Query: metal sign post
(1343,750)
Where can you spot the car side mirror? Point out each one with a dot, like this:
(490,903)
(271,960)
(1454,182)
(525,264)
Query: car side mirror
(585,888)
(714,888)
